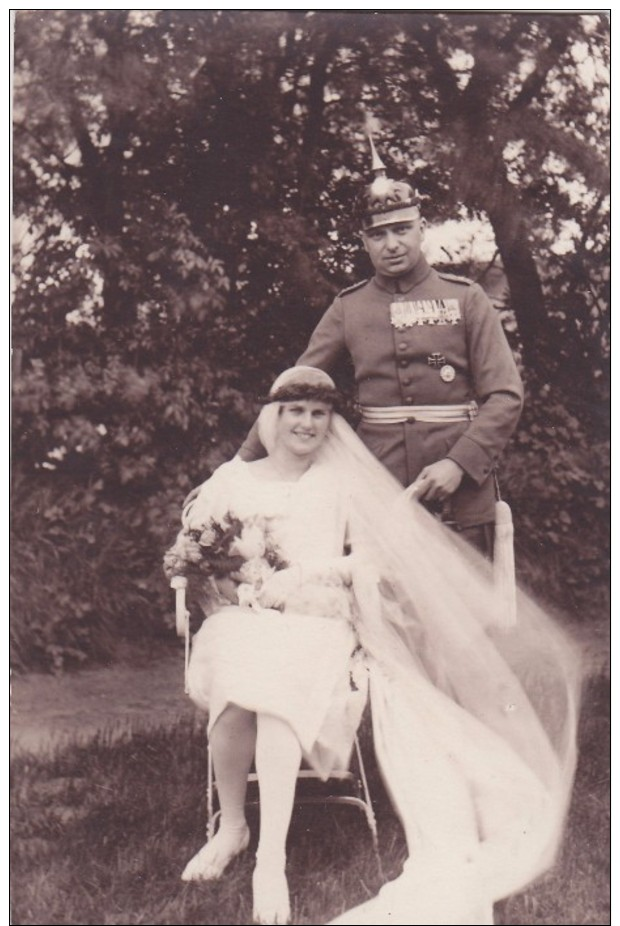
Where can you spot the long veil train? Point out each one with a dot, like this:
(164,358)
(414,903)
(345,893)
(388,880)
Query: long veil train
(474,724)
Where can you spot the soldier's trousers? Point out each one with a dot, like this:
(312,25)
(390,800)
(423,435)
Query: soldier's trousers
(481,536)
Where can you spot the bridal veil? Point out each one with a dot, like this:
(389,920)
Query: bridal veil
(474,724)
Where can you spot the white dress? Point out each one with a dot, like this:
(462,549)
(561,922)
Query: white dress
(473,726)
(294,665)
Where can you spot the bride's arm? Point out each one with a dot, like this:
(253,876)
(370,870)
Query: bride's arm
(210,500)
(279,587)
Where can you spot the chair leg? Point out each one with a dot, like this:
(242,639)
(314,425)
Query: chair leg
(368,808)
(212,814)
(364,804)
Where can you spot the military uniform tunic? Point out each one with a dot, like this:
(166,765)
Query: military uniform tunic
(437,341)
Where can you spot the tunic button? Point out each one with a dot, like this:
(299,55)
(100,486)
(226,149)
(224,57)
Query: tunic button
(406,380)
(409,400)
(404,362)
(403,345)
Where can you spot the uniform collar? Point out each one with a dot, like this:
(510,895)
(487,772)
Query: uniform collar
(406,282)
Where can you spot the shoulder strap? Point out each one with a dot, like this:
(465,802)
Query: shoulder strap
(453,278)
(352,289)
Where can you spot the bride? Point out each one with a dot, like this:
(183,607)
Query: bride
(308,558)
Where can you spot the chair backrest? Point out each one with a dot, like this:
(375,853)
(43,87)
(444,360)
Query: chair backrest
(179,584)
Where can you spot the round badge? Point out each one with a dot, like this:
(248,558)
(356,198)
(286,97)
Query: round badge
(447,373)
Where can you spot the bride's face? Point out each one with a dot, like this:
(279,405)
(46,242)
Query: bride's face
(302,426)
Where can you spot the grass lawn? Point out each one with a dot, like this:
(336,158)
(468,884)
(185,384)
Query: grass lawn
(100,834)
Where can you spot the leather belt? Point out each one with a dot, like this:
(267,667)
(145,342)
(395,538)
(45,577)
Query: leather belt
(397,414)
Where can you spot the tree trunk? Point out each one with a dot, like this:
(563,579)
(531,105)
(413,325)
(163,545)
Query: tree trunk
(526,295)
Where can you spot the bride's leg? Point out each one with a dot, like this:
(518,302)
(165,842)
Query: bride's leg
(232,743)
(278,757)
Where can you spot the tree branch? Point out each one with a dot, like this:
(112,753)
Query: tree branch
(65,169)
(489,266)
(519,25)
(316,106)
(89,152)
(428,39)
(544,137)
(545,62)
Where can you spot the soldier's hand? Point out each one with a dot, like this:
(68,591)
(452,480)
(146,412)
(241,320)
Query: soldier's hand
(438,481)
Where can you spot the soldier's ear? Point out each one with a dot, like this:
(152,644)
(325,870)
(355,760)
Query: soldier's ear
(422,226)
(364,241)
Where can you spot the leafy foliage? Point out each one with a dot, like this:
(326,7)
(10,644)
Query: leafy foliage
(78,581)
(557,476)
(183,184)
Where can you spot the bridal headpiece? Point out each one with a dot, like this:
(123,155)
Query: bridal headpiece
(304,383)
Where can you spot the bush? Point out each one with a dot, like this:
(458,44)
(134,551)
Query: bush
(87,557)
(556,477)
(82,575)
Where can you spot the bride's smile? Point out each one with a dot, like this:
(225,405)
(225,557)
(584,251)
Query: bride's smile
(302,426)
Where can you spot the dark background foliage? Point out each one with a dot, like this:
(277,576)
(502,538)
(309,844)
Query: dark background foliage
(183,183)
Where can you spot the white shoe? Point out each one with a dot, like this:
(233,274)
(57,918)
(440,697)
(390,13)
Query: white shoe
(211,861)
(271,899)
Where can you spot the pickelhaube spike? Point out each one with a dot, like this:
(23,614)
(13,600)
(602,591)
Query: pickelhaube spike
(385,201)
(377,166)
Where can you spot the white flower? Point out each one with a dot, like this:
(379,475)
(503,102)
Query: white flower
(255,572)
(251,543)
(246,595)
(207,537)
(187,548)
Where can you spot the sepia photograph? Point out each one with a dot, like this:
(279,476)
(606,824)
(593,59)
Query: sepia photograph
(310,467)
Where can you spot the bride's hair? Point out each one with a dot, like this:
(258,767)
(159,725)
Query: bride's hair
(296,392)
(307,383)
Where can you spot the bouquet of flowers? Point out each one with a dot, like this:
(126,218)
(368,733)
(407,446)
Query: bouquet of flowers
(243,552)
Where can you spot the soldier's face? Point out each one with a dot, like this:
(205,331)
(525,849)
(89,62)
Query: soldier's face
(395,249)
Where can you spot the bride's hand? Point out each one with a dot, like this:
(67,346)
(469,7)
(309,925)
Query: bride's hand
(331,568)
(279,586)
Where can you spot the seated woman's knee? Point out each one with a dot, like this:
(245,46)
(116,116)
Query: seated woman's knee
(235,720)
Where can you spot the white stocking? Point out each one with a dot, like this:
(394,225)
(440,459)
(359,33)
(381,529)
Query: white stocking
(278,757)
(232,745)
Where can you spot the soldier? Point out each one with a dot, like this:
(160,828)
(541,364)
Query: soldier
(438,388)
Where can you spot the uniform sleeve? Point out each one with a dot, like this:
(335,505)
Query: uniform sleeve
(327,341)
(324,347)
(497,387)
